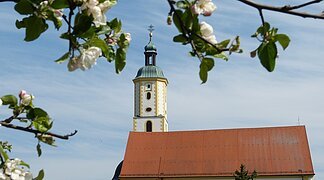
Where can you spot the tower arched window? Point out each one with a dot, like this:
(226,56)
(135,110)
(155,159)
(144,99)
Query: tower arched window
(148,126)
(148,95)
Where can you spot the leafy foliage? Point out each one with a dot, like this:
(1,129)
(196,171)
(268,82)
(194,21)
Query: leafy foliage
(243,174)
(35,120)
(86,28)
(267,51)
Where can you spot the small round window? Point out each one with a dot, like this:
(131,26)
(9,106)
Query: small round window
(148,109)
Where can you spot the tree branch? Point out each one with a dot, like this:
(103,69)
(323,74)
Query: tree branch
(284,9)
(36,132)
(186,32)
(302,5)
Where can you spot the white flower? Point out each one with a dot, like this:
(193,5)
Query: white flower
(98,10)
(58,13)
(3,176)
(106,5)
(1,102)
(89,57)
(205,7)
(25,99)
(207,32)
(99,17)
(86,60)
(128,37)
(14,171)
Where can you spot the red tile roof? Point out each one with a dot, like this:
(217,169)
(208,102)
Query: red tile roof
(270,151)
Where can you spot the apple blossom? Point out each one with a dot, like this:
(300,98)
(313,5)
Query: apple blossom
(98,10)
(25,99)
(106,5)
(205,7)
(89,57)
(128,37)
(207,32)
(86,59)
(12,170)
(58,13)
(74,64)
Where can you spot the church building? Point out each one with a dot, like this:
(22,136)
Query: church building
(152,152)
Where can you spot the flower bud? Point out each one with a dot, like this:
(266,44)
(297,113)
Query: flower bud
(169,20)
(128,37)
(25,99)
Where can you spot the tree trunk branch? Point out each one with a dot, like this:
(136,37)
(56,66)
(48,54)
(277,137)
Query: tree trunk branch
(36,132)
(286,9)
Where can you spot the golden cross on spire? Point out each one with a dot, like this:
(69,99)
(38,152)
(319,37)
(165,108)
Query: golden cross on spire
(151,29)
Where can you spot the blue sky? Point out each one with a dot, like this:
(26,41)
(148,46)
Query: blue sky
(99,103)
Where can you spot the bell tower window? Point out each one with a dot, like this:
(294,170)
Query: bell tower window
(148,126)
(148,87)
(148,96)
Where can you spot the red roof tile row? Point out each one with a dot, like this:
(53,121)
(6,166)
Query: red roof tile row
(269,151)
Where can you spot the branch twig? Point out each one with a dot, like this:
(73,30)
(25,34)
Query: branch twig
(286,9)
(36,132)
(301,5)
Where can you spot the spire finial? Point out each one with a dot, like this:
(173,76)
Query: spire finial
(151,29)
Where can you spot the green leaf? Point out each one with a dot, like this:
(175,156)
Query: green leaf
(46,139)
(180,38)
(221,55)
(35,26)
(9,100)
(283,39)
(20,24)
(95,41)
(206,65)
(176,20)
(39,150)
(195,25)
(42,124)
(3,153)
(262,30)
(122,41)
(24,7)
(267,53)
(182,4)
(203,73)
(40,175)
(104,30)
(60,4)
(115,25)
(50,16)
(187,18)
(224,43)
(63,58)
(22,163)
(40,112)
(82,24)
(120,60)
(209,62)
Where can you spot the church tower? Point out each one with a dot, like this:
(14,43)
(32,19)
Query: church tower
(150,94)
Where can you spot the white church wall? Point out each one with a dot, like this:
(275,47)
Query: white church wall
(136,99)
(141,124)
(161,98)
(148,103)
